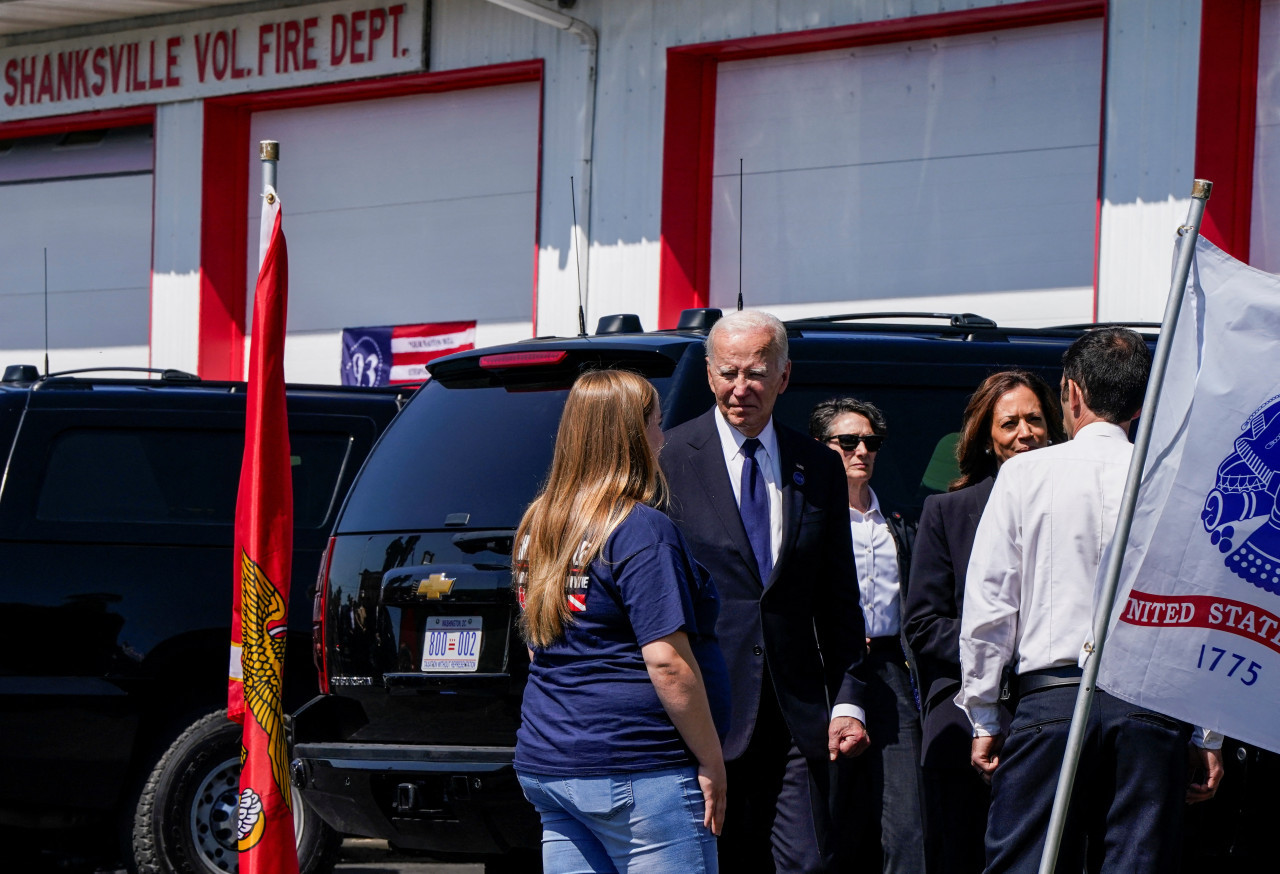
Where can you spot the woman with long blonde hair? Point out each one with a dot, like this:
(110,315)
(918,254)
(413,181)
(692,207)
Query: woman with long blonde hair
(628,694)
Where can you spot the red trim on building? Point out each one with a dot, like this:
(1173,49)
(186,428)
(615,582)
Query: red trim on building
(689,138)
(58,124)
(684,269)
(223,249)
(1226,119)
(225,210)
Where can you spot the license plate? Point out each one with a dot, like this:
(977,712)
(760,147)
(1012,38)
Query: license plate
(452,644)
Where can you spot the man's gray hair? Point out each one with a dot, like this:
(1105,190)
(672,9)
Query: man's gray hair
(747,321)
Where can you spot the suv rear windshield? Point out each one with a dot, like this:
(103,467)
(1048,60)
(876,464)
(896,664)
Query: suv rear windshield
(477,451)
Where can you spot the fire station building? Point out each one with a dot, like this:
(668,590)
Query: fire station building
(498,161)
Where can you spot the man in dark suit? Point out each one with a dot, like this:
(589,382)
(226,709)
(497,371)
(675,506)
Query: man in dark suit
(764,509)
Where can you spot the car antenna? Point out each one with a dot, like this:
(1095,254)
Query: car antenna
(577,261)
(46,310)
(739,233)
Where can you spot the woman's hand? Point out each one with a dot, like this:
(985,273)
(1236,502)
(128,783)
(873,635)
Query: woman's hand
(714,785)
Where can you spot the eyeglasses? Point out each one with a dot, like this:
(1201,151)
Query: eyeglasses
(849,442)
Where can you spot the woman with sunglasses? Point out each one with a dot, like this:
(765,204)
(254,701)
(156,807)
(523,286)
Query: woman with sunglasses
(878,796)
(1012,411)
(628,694)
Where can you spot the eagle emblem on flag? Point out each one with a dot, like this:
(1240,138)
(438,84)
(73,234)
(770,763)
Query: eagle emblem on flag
(1246,487)
(263,628)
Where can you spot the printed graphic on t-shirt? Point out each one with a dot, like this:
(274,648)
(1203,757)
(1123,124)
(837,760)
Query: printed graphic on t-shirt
(576,586)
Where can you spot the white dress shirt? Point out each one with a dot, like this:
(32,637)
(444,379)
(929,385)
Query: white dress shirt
(876,555)
(731,440)
(1028,598)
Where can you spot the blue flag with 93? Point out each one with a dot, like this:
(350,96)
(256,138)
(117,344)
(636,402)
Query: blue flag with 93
(1196,628)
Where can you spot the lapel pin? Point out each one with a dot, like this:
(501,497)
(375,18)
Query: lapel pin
(798,477)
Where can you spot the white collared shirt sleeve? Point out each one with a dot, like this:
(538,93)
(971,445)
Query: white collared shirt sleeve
(992,596)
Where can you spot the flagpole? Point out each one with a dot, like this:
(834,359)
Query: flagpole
(269,152)
(1084,698)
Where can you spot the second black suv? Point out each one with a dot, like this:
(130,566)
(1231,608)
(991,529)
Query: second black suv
(117,507)
(416,748)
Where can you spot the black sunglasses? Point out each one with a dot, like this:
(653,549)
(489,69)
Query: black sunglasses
(849,442)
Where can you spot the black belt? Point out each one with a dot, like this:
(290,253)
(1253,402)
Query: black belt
(1046,678)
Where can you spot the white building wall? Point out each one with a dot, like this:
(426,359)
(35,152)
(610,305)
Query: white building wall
(1264,243)
(175,273)
(626,200)
(1153,68)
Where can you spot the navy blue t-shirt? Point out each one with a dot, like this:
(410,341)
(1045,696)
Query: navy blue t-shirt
(589,707)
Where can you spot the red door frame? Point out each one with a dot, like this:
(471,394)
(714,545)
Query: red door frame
(227,158)
(1226,119)
(684,276)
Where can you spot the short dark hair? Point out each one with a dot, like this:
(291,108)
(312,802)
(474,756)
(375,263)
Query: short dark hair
(826,412)
(1111,366)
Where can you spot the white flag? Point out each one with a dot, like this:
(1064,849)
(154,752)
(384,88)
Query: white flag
(1196,629)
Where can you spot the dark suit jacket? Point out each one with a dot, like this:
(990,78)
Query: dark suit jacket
(931,615)
(806,615)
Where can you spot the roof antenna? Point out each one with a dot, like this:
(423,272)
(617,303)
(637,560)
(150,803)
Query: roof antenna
(46,310)
(740,217)
(577,261)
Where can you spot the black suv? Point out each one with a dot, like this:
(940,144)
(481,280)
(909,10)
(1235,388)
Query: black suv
(416,748)
(117,508)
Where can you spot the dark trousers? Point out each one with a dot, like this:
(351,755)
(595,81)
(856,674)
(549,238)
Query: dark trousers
(955,819)
(1128,798)
(876,810)
(776,815)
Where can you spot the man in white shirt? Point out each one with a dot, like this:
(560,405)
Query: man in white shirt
(878,795)
(1029,605)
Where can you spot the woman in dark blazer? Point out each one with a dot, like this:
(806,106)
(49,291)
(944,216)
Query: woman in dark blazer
(1012,411)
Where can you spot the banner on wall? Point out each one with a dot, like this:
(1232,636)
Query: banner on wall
(398,354)
(280,48)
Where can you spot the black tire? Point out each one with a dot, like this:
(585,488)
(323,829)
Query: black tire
(186,816)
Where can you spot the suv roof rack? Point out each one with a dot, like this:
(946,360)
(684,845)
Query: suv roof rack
(957,320)
(1089,326)
(166,373)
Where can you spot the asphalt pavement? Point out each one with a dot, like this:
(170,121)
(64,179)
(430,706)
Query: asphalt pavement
(358,856)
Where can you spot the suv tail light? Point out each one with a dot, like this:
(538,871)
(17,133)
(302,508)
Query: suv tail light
(540,358)
(317,620)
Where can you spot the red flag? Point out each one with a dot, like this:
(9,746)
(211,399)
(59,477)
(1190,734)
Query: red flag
(263,555)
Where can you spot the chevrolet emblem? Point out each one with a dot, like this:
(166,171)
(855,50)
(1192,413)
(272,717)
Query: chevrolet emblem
(435,586)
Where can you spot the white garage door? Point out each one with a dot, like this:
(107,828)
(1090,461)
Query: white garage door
(86,198)
(1264,243)
(954,174)
(404,210)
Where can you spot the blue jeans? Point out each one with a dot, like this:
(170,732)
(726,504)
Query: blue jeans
(645,822)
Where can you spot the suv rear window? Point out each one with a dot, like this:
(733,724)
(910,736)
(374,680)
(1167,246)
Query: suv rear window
(481,452)
(175,477)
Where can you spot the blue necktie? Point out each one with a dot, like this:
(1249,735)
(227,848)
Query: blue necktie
(754,507)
